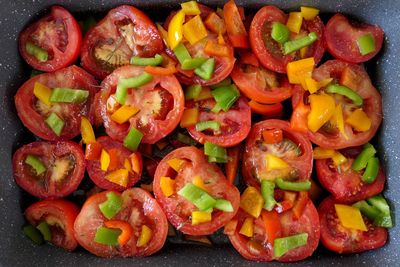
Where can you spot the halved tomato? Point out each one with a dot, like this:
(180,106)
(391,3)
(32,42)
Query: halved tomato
(177,208)
(346,184)
(124,32)
(161,104)
(341,38)
(337,238)
(60,216)
(33,112)
(259,248)
(329,136)
(64,164)
(269,51)
(234,124)
(58,34)
(260,84)
(121,154)
(139,208)
(295,149)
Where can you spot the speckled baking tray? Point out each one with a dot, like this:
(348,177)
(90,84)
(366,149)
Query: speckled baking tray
(16,250)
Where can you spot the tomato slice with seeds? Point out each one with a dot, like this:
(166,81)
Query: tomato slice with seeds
(234,124)
(295,149)
(139,208)
(258,248)
(342,35)
(33,112)
(60,215)
(121,154)
(339,239)
(346,184)
(269,51)
(260,84)
(329,136)
(65,166)
(161,104)
(124,32)
(177,208)
(59,34)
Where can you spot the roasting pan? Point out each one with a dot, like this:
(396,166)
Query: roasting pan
(16,250)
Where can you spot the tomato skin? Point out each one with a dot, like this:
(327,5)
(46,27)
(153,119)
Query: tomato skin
(272,57)
(303,164)
(60,59)
(341,240)
(138,208)
(372,106)
(61,211)
(147,39)
(70,77)
(99,177)
(178,209)
(156,128)
(341,39)
(307,222)
(43,187)
(239,116)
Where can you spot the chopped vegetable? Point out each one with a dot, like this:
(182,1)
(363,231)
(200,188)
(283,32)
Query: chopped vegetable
(107,236)
(193,63)
(189,117)
(175,29)
(145,236)
(193,91)
(371,171)
(361,161)
(39,53)
(200,198)
(350,217)
(280,32)
(359,120)
(68,95)
(206,70)
(294,21)
(309,13)
(125,228)
(87,131)
(42,92)
(200,217)
(104,160)
(226,96)
(167,186)
(204,125)
(55,123)
(194,30)
(366,44)
(322,109)
(224,205)
(294,45)
(275,163)
(132,139)
(247,228)
(191,8)
(176,164)
(44,229)
(293,186)
(124,113)
(272,224)
(345,91)
(272,136)
(216,151)
(36,164)
(33,234)
(267,192)
(111,206)
(252,201)
(119,177)
(147,61)
(134,82)
(285,244)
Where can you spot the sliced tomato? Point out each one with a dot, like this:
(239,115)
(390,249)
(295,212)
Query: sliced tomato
(120,154)
(177,208)
(259,248)
(342,35)
(124,32)
(234,124)
(329,136)
(346,184)
(295,149)
(59,34)
(337,238)
(60,215)
(269,51)
(161,104)
(33,112)
(139,208)
(260,84)
(65,167)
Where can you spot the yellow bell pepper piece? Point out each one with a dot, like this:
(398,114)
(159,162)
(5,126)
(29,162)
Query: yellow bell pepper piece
(176,164)
(275,163)
(119,177)
(338,158)
(167,186)
(297,70)
(350,217)
(309,13)
(42,92)
(194,30)
(197,181)
(205,93)
(294,21)
(322,153)
(104,160)
(191,8)
(87,131)
(337,120)
(322,109)
(252,201)
(359,120)
(247,228)
(124,113)
(163,33)
(200,217)
(303,51)
(175,29)
(190,117)
(145,236)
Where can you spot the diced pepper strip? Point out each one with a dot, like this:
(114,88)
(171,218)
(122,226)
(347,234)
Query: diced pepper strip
(199,217)
(232,165)
(361,161)
(359,120)
(272,225)
(191,8)
(338,158)
(285,244)
(119,177)
(175,29)
(126,230)
(189,117)
(309,13)
(300,204)
(212,48)
(145,236)
(322,109)
(267,191)
(247,228)
(104,160)
(350,217)
(36,164)
(294,21)
(87,131)
(167,186)
(275,163)
(293,186)
(252,201)
(371,171)
(194,30)
(215,24)
(107,236)
(42,92)
(323,153)
(272,136)
(176,164)
(124,113)
(296,70)
(93,151)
